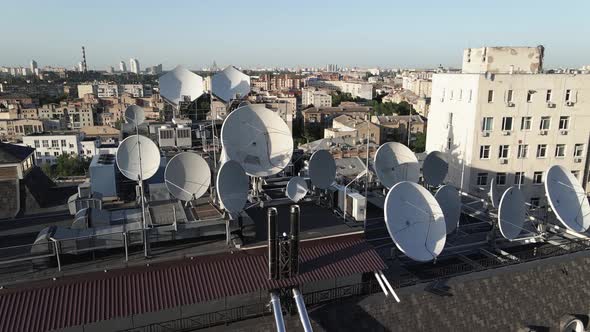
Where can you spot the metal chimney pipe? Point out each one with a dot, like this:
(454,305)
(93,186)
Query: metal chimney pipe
(294,245)
(275,303)
(302,310)
(273,262)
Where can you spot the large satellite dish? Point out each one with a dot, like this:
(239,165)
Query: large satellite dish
(134,115)
(322,169)
(296,189)
(258,139)
(230,84)
(232,187)
(394,163)
(511,213)
(567,199)
(435,168)
(180,83)
(450,203)
(494,194)
(187,176)
(415,221)
(133,149)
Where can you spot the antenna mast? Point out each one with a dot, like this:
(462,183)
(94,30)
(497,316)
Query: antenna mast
(84,66)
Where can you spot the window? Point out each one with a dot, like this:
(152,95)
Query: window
(501,179)
(578,150)
(548,96)
(45,143)
(523,151)
(525,123)
(484,152)
(535,202)
(545,123)
(541,150)
(488,124)
(54,143)
(470,95)
(482,179)
(442,97)
(576,174)
(36,143)
(71,146)
(560,150)
(449,143)
(451,96)
(564,122)
(510,96)
(63,143)
(490,96)
(538,178)
(46,154)
(568,95)
(460,94)
(38,154)
(529,96)
(503,151)
(56,154)
(507,123)
(519,178)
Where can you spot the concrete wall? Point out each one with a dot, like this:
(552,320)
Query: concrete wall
(527,60)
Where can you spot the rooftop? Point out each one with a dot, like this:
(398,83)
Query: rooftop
(12,153)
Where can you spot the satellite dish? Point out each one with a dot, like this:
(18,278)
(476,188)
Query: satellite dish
(187,176)
(450,203)
(567,199)
(134,115)
(511,213)
(322,169)
(494,195)
(232,187)
(230,83)
(296,189)
(180,83)
(415,221)
(128,158)
(394,163)
(258,139)
(435,168)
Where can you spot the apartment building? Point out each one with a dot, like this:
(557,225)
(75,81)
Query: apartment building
(74,116)
(505,119)
(13,130)
(50,145)
(356,89)
(113,90)
(316,97)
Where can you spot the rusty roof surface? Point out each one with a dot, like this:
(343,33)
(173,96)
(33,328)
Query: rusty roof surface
(100,296)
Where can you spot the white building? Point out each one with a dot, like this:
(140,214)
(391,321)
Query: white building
(134,65)
(48,146)
(356,89)
(313,96)
(511,127)
(122,67)
(33,66)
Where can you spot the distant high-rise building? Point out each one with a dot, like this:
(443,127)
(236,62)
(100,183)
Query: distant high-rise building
(33,66)
(80,66)
(134,65)
(110,69)
(332,67)
(122,67)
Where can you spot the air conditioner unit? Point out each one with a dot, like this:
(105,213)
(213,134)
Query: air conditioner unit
(550,104)
(563,132)
(543,133)
(503,161)
(485,134)
(506,133)
(577,160)
(569,103)
(510,104)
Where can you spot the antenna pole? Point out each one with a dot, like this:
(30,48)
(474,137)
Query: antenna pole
(146,245)
(367,169)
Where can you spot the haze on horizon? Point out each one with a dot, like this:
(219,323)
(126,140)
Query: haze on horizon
(265,33)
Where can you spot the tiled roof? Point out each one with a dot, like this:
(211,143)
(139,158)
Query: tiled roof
(101,296)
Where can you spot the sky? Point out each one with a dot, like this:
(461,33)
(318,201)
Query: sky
(194,33)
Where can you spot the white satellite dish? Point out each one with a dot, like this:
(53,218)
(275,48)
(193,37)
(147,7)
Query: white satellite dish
(180,83)
(415,221)
(258,139)
(230,84)
(511,213)
(187,176)
(322,169)
(133,149)
(567,199)
(494,194)
(296,189)
(134,115)
(232,187)
(394,163)
(435,168)
(449,200)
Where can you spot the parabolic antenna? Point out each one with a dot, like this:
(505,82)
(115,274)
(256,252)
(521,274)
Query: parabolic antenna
(232,187)
(128,158)
(258,139)
(511,213)
(450,203)
(494,194)
(435,168)
(322,169)
(230,83)
(567,199)
(296,189)
(134,115)
(415,221)
(187,176)
(394,163)
(179,83)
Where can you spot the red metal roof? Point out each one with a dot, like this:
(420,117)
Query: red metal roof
(119,293)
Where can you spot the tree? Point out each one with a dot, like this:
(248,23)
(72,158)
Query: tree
(67,165)
(338,97)
(419,143)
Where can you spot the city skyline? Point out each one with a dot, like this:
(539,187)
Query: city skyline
(284,35)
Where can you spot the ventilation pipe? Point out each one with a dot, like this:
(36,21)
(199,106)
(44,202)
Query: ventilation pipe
(294,245)
(275,302)
(273,263)
(302,310)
